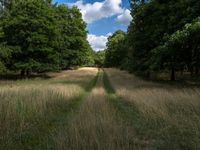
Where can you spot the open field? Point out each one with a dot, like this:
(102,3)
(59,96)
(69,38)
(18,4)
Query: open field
(32,110)
(90,108)
(168,116)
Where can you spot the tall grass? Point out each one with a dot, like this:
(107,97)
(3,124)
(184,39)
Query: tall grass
(97,126)
(166,115)
(30,110)
(130,114)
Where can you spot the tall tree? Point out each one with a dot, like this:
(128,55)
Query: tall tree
(181,50)
(72,41)
(115,53)
(41,36)
(99,58)
(31,28)
(153,22)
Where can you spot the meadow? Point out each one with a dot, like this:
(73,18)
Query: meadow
(167,115)
(98,109)
(32,110)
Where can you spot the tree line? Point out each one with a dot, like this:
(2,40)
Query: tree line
(39,36)
(164,36)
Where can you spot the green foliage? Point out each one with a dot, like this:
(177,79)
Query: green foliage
(115,53)
(181,49)
(31,27)
(163,36)
(99,58)
(154,23)
(72,45)
(43,36)
(5,53)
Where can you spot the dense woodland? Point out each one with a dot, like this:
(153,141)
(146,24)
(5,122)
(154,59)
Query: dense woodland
(164,36)
(38,36)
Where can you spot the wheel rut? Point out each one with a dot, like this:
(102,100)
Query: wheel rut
(97,125)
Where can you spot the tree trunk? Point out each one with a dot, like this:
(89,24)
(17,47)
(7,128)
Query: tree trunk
(28,72)
(182,72)
(148,74)
(196,71)
(173,74)
(22,72)
(192,71)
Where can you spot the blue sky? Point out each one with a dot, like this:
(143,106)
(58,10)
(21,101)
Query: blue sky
(103,17)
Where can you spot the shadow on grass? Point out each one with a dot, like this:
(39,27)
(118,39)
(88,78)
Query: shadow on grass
(158,133)
(39,135)
(41,130)
(87,87)
(19,77)
(179,82)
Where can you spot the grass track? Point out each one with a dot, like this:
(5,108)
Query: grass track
(41,131)
(102,116)
(139,105)
(128,113)
(97,126)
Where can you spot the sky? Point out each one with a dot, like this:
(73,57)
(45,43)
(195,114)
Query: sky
(103,17)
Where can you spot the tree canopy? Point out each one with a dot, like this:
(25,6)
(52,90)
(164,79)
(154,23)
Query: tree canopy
(163,36)
(99,58)
(114,52)
(42,36)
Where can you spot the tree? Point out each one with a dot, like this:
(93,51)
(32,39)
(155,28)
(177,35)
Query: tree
(181,50)
(5,55)
(5,52)
(31,28)
(153,22)
(160,37)
(99,58)
(114,53)
(43,36)
(73,46)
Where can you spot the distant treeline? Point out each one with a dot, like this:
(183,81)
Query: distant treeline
(164,36)
(38,36)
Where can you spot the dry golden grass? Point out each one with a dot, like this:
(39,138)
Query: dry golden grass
(97,126)
(25,104)
(74,73)
(43,114)
(171,113)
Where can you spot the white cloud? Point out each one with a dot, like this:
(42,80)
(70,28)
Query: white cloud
(98,42)
(124,18)
(99,10)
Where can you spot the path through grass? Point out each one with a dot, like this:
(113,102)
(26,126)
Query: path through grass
(97,125)
(33,111)
(166,116)
(86,110)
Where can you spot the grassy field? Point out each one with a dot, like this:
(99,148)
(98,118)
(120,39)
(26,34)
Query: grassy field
(166,116)
(95,109)
(32,111)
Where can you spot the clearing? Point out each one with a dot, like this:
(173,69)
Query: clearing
(92,108)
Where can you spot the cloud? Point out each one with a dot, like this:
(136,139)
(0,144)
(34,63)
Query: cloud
(92,12)
(124,18)
(98,42)
(99,10)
